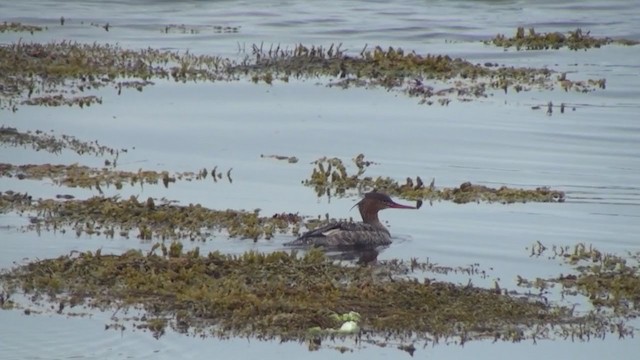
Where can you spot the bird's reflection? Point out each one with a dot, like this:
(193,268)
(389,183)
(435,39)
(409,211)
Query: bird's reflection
(361,256)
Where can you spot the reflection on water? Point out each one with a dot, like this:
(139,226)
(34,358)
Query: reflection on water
(591,153)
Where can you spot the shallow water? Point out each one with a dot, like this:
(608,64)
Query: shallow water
(592,153)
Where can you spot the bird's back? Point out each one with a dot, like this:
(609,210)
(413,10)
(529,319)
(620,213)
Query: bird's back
(345,234)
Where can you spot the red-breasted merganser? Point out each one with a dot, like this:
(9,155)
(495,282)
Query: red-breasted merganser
(368,233)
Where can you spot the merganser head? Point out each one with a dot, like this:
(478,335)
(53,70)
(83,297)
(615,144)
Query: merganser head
(375,201)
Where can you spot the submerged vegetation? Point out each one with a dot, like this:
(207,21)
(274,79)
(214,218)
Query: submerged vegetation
(574,40)
(19,27)
(289,159)
(330,177)
(86,177)
(427,76)
(40,140)
(56,73)
(197,29)
(161,219)
(44,72)
(155,218)
(292,297)
(76,175)
(610,282)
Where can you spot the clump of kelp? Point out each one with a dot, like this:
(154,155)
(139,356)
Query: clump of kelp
(197,29)
(40,140)
(60,100)
(76,175)
(393,68)
(288,297)
(45,74)
(574,40)
(146,219)
(87,177)
(610,282)
(19,27)
(289,159)
(330,177)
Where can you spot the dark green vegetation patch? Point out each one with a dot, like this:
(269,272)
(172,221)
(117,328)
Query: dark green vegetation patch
(86,177)
(610,282)
(19,27)
(284,295)
(330,178)
(54,74)
(197,29)
(44,74)
(574,40)
(113,216)
(424,76)
(40,140)
(76,175)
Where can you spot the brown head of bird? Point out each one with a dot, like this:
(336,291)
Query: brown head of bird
(373,202)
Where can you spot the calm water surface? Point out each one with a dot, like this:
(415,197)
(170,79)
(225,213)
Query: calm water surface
(592,153)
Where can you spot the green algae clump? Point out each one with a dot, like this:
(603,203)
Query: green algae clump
(44,74)
(19,27)
(42,141)
(330,176)
(145,219)
(574,40)
(283,295)
(76,175)
(424,76)
(611,282)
